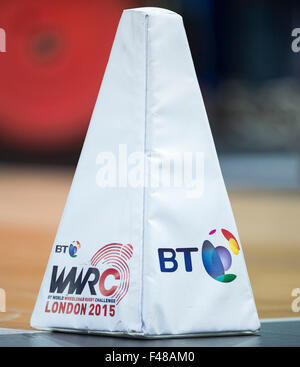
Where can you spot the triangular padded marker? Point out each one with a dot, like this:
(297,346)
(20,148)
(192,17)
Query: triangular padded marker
(147,260)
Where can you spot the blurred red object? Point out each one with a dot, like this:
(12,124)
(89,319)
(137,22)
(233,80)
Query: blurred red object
(56,53)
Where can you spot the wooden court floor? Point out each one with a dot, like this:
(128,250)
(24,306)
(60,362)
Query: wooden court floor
(31,204)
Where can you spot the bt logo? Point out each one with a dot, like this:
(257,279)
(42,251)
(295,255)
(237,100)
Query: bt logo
(73,248)
(216,260)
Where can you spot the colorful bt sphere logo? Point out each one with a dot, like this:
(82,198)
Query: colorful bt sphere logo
(73,248)
(217,260)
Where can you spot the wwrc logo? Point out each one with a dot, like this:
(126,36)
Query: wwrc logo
(109,265)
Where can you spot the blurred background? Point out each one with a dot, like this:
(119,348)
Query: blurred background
(50,75)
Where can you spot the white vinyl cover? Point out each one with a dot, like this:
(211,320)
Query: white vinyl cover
(149,260)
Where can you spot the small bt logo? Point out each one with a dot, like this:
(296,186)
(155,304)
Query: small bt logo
(72,248)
